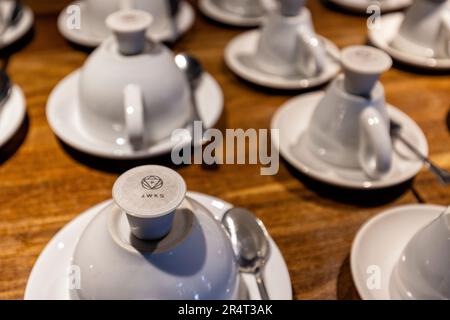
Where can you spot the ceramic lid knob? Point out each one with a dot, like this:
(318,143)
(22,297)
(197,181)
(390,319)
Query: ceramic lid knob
(363,67)
(291,8)
(130,27)
(149,195)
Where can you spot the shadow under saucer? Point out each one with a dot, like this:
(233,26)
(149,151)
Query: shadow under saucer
(360,197)
(346,289)
(11,147)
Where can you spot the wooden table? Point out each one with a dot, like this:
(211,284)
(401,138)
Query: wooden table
(43,186)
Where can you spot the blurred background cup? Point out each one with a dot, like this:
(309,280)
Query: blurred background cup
(423,269)
(99,10)
(247,8)
(424,29)
(288,44)
(130,87)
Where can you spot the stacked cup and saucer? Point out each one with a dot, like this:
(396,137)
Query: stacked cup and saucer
(154,241)
(404,254)
(420,37)
(286,53)
(367,6)
(130,97)
(83,22)
(237,13)
(16,20)
(342,136)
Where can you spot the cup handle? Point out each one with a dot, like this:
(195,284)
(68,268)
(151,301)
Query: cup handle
(311,51)
(134,114)
(375,146)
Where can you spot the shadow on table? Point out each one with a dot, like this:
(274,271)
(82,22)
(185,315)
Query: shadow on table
(363,198)
(272,91)
(11,147)
(448,121)
(120,166)
(346,289)
(115,166)
(17,46)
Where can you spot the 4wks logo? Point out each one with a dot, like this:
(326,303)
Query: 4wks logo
(152,183)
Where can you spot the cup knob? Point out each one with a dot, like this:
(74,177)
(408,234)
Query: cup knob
(130,27)
(363,66)
(149,196)
(291,8)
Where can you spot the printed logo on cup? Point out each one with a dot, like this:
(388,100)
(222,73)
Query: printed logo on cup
(152,183)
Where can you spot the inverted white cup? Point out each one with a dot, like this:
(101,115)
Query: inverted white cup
(250,8)
(423,269)
(289,46)
(350,126)
(421,31)
(98,10)
(131,90)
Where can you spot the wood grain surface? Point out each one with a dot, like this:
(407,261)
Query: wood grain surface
(43,185)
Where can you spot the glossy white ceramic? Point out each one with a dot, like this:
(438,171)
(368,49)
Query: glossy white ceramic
(63,114)
(298,52)
(423,269)
(157,104)
(16,32)
(351,132)
(212,10)
(384,36)
(239,57)
(48,279)
(425,30)
(361,6)
(293,119)
(192,260)
(12,114)
(86,35)
(379,244)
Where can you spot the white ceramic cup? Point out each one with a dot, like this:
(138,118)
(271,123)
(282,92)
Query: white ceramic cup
(425,31)
(350,126)
(423,269)
(130,88)
(289,46)
(98,10)
(246,8)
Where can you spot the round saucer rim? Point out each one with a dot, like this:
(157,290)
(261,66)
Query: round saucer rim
(21,110)
(210,10)
(21,30)
(404,57)
(88,40)
(356,244)
(376,185)
(394,5)
(233,48)
(196,196)
(92,150)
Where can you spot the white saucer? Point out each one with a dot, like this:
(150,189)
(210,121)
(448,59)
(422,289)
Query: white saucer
(12,114)
(184,20)
(239,58)
(48,279)
(16,32)
(214,12)
(360,6)
(381,241)
(63,117)
(382,38)
(292,120)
